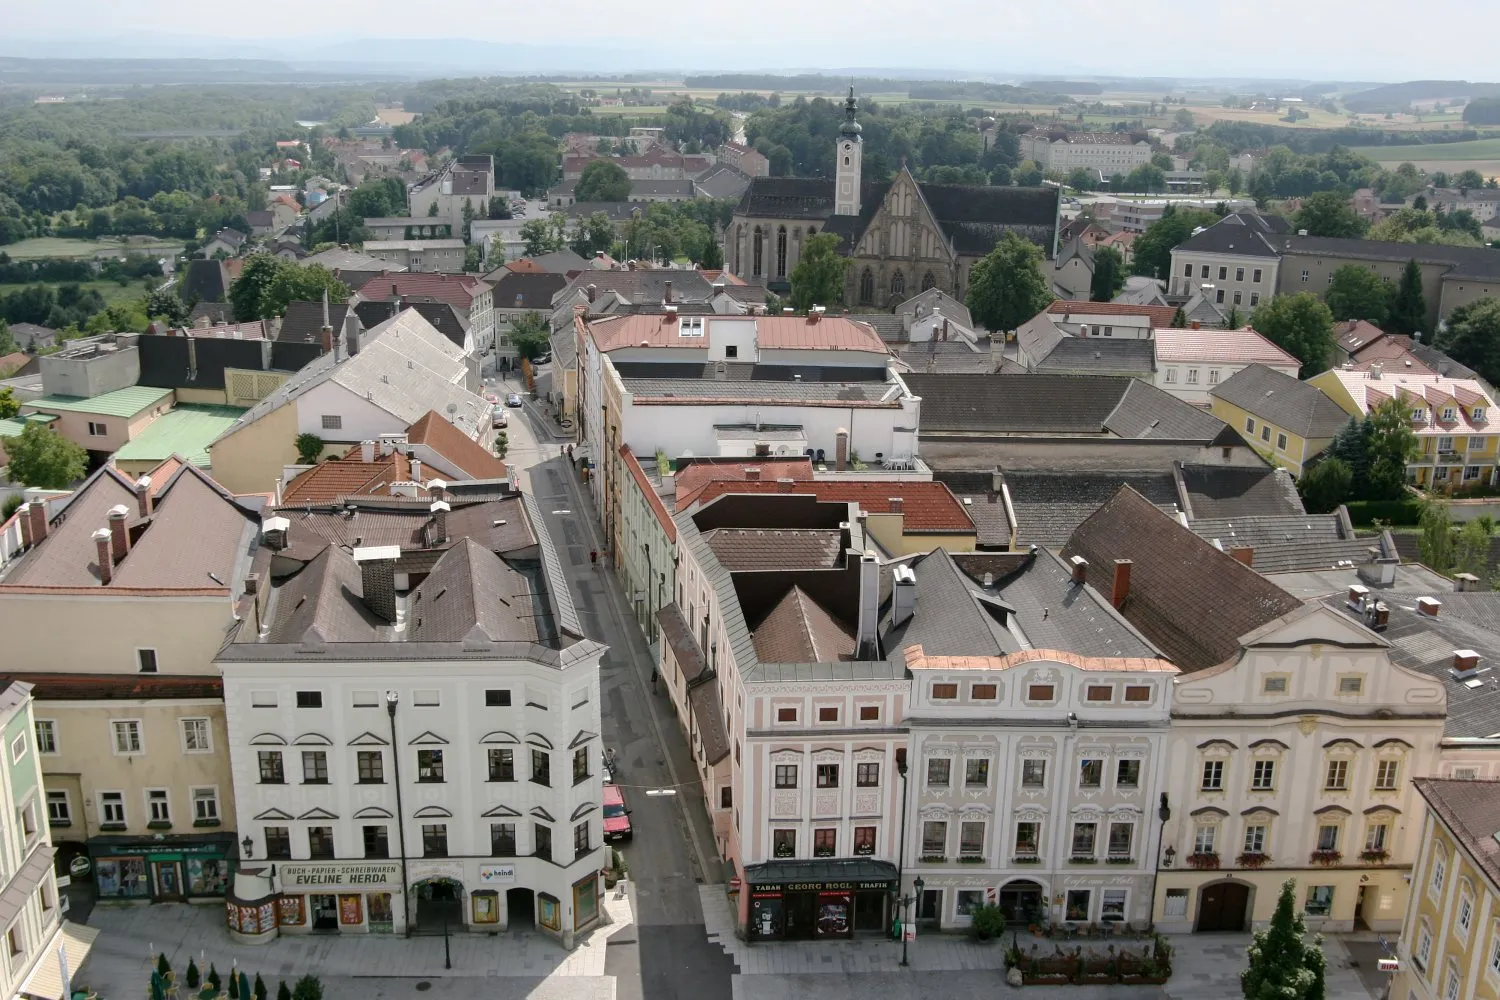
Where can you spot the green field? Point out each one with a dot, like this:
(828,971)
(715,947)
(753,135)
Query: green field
(56,246)
(642,111)
(1478,149)
(112,292)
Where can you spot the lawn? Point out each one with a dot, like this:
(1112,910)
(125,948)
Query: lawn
(112,291)
(1478,149)
(56,246)
(641,111)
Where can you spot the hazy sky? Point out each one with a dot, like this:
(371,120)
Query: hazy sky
(1309,39)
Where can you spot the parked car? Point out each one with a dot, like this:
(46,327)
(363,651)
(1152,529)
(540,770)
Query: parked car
(616,815)
(498,417)
(513,400)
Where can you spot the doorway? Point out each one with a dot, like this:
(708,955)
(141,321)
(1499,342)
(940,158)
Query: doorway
(801,910)
(325,912)
(930,906)
(440,906)
(869,910)
(1222,907)
(168,880)
(520,906)
(1360,923)
(1021,902)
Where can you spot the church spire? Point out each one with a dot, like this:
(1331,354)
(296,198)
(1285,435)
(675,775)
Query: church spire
(850,126)
(850,150)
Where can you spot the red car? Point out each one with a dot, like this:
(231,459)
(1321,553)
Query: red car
(616,816)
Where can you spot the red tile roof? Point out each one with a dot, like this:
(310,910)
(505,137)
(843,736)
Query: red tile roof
(525,266)
(1223,346)
(653,499)
(92,687)
(347,476)
(437,433)
(1355,334)
(1161,316)
(1393,354)
(458,290)
(929,507)
(694,477)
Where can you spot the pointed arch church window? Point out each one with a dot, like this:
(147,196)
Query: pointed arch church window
(928,281)
(757,252)
(898,284)
(867,287)
(781,251)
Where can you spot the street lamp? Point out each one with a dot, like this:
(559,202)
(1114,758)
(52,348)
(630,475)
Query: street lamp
(906,902)
(391,699)
(245,846)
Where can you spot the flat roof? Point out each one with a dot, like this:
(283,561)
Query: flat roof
(185,431)
(126,402)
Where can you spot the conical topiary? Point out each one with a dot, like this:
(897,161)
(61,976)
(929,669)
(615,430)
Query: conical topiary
(234,987)
(283,992)
(162,965)
(194,978)
(213,978)
(260,987)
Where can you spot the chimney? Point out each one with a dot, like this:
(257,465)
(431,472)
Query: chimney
(437,489)
(1429,606)
(37,513)
(895,503)
(945,327)
(1465,581)
(816,313)
(252,583)
(666,294)
(273,532)
(439,511)
(1375,370)
(416,470)
(1080,570)
(395,290)
(119,537)
(367,451)
(997,480)
(1465,660)
(351,333)
(377,572)
(591,291)
(101,555)
(24,520)
(1196,325)
(866,637)
(904,596)
(752,474)
(327,340)
(1243,554)
(1122,582)
(786,485)
(143,496)
(841,449)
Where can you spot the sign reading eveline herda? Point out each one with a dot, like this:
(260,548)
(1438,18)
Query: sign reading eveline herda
(311,876)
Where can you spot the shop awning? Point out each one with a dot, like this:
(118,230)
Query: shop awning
(22,887)
(45,981)
(858,873)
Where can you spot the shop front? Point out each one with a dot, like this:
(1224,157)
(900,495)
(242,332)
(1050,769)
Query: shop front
(172,868)
(339,897)
(801,900)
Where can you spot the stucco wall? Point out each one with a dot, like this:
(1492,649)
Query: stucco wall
(251,459)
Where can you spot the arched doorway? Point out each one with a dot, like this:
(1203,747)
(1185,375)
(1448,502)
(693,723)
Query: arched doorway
(1024,902)
(520,908)
(1223,906)
(440,905)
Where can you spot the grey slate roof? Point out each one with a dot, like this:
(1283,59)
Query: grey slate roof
(935,299)
(1145,411)
(322,603)
(741,549)
(527,290)
(1055,613)
(1079,355)
(888,325)
(864,393)
(946,356)
(303,321)
(205,281)
(1463,262)
(661,188)
(1050,506)
(1277,397)
(954,617)
(1244,234)
(471,592)
(1286,543)
(722,181)
(1229,491)
(983,505)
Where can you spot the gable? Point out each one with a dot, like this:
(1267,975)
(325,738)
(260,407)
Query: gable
(904,226)
(1312,626)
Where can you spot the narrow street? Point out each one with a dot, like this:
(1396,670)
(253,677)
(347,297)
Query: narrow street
(673,850)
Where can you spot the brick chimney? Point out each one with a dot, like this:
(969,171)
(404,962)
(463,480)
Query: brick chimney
(101,555)
(841,449)
(327,340)
(752,474)
(1429,606)
(377,571)
(36,513)
(666,293)
(1122,582)
(439,510)
(119,536)
(143,496)
(895,503)
(1196,325)
(1080,567)
(591,291)
(1243,554)
(1465,660)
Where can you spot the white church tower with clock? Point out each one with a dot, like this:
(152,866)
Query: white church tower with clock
(850,149)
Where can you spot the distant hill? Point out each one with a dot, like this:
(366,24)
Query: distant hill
(1398,96)
(1071,87)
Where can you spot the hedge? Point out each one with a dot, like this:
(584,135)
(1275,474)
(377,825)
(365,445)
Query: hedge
(1397,512)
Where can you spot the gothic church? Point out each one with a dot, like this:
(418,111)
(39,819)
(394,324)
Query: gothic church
(904,236)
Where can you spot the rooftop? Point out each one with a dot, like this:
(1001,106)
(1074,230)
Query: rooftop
(350,474)
(1050,506)
(825,333)
(455,289)
(1238,491)
(1288,543)
(461,450)
(1080,355)
(1471,812)
(1434,394)
(1219,346)
(1283,400)
(1071,311)
(1461,262)
(187,431)
(927,507)
(1243,234)
(126,402)
(694,475)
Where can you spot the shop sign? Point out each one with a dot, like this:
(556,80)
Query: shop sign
(80,866)
(312,876)
(497,873)
(832,886)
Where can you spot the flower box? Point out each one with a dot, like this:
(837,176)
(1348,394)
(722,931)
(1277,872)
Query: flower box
(1119,861)
(1143,980)
(1045,978)
(932,859)
(971,859)
(1026,859)
(1203,859)
(1325,857)
(1083,859)
(1253,859)
(1095,979)
(1374,857)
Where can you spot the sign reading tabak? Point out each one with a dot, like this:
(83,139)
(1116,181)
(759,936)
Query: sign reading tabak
(293,876)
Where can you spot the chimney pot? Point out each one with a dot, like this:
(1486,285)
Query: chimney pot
(1465,659)
(252,583)
(1122,582)
(1429,606)
(327,339)
(841,449)
(143,496)
(1080,569)
(37,514)
(895,503)
(666,291)
(1243,554)
(23,518)
(101,556)
(367,451)
(119,536)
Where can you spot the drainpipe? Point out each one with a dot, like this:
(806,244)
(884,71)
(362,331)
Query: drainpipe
(901,769)
(390,708)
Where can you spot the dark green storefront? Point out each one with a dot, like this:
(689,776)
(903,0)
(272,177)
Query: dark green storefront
(169,868)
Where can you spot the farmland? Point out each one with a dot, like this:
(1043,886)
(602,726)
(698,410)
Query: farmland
(56,246)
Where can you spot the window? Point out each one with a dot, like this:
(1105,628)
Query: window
(1440,473)
(503,840)
(869,713)
(1328,837)
(1418,414)
(1205,839)
(541,767)
(314,767)
(146,660)
(278,843)
(1079,901)
(1274,685)
(1223,273)
(786,715)
(1213,373)
(1083,839)
(496,698)
(1386,773)
(1171,374)
(1033,773)
(1176,904)
(970,839)
(827,775)
(435,841)
(1375,836)
(1255,296)
(377,842)
(1281,442)
(1204,272)
(1192,373)
(828,713)
(1351,685)
(46,736)
(786,775)
(1495,955)
(934,838)
(1305,276)
(205,805)
(1112,905)
(320,841)
(1265,432)
(371,767)
(1263,779)
(1478,416)
(1471,472)
(1255,276)
(1099,692)
(1249,425)
(1336,778)
(726,797)
(430,765)
(938,769)
(15,940)
(1465,911)
(127,736)
(59,811)
(1239,274)
(784,843)
(977,773)
(18,748)
(1039,692)
(1423,952)
(1027,836)
(1187,270)
(1452,985)
(1121,836)
(1219,296)
(824,840)
(867,775)
(332,422)
(866,287)
(1439,869)
(309,699)
(898,284)
(864,841)
(944,692)
(1090,773)
(262,699)
(502,765)
(112,808)
(1255,839)
(195,736)
(98,429)
(157,806)
(1137,692)
(1448,418)
(1128,774)
(1319,900)
(580,764)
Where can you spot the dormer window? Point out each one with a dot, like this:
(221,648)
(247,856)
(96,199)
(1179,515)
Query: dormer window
(1478,413)
(1448,415)
(691,326)
(1419,415)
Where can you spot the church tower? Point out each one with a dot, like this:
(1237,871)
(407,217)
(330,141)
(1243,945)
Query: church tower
(850,149)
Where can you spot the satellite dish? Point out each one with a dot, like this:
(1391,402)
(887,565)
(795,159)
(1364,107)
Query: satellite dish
(452,407)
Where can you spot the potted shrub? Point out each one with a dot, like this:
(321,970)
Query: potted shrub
(1203,859)
(1253,859)
(1326,858)
(986,922)
(1374,857)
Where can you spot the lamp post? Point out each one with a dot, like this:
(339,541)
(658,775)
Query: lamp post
(1165,858)
(906,903)
(901,851)
(391,698)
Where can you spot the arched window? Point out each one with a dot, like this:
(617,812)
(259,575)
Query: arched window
(928,281)
(867,287)
(898,284)
(757,253)
(781,251)
(739,239)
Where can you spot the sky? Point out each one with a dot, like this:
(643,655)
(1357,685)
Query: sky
(1293,39)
